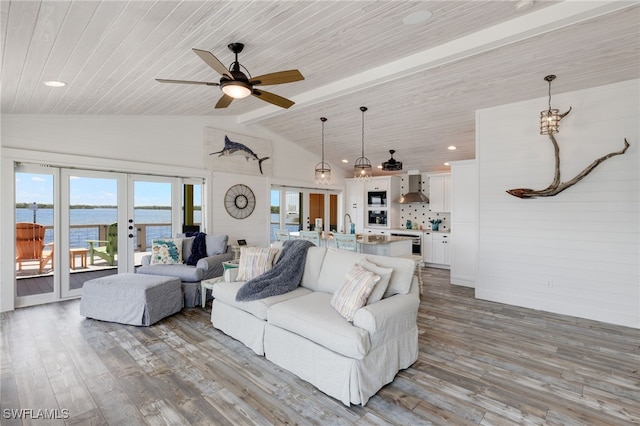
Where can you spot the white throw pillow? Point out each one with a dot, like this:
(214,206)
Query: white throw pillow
(354,292)
(255,261)
(166,251)
(385,276)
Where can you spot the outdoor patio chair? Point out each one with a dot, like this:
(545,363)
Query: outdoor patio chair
(109,247)
(30,245)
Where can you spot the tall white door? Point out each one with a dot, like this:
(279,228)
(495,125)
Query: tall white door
(91,223)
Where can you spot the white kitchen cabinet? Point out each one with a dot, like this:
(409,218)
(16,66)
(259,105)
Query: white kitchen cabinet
(440,192)
(441,248)
(376,231)
(378,184)
(372,204)
(427,247)
(464,222)
(381,210)
(355,204)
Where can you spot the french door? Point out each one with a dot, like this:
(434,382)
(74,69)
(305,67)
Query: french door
(298,209)
(93,205)
(95,223)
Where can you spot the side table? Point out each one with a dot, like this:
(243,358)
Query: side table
(230,264)
(208,285)
(82,252)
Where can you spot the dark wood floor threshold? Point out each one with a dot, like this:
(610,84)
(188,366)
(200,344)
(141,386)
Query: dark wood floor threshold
(479,363)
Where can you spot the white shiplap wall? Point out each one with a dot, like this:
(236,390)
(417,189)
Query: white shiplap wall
(576,253)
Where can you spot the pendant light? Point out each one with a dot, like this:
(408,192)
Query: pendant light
(362,165)
(550,119)
(323,170)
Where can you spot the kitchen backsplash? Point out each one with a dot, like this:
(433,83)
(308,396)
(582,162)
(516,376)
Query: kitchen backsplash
(419,214)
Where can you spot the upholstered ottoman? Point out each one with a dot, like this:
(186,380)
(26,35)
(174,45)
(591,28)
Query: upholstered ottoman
(134,299)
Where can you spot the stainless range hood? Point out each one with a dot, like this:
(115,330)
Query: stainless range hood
(415,194)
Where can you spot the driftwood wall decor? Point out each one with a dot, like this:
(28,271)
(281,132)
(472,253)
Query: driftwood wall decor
(557,186)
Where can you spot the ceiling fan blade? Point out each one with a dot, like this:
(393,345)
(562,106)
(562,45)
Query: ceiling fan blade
(272,98)
(224,101)
(280,77)
(213,62)
(206,83)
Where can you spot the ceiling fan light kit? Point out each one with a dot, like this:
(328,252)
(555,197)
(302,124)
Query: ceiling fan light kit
(236,85)
(236,89)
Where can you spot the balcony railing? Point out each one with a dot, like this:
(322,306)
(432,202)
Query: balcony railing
(145,232)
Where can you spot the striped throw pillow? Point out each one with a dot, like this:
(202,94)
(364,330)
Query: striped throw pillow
(354,292)
(255,261)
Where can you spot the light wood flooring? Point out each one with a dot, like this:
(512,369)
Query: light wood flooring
(479,363)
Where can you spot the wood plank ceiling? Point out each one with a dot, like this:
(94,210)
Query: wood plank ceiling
(422,83)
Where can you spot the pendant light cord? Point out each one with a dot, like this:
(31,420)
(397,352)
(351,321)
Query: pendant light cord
(363,109)
(323,119)
(550,78)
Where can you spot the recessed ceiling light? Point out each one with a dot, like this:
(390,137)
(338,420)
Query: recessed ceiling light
(379,166)
(416,17)
(54,83)
(452,148)
(345,161)
(447,164)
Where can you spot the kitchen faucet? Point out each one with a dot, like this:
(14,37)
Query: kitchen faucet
(347,215)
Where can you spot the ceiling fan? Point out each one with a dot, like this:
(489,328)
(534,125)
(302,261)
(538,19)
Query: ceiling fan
(392,164)
(236,85)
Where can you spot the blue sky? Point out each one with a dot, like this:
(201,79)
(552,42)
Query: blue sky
(38,188)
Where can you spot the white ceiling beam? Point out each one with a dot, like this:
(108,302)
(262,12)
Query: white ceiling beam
(548,19)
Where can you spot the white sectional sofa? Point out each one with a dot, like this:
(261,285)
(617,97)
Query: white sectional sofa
(303,333)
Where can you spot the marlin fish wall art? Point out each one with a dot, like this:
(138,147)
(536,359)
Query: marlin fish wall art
(231,147)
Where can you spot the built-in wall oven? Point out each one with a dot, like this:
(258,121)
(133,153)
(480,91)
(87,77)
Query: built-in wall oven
(416,242)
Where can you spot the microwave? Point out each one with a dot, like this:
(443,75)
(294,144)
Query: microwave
(377,217)
(377,198)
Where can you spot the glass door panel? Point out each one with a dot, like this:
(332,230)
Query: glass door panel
(35,237)
(192,207)
(156,212)
(93,227)
(316,212)
(293,211)
(333,212)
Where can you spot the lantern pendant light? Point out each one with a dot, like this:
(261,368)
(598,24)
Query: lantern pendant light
(362,165)
(323,170)
(550,119)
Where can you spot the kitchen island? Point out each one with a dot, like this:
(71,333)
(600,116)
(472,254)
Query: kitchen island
(384,245)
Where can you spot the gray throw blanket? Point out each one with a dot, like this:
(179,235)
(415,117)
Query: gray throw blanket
(284,277)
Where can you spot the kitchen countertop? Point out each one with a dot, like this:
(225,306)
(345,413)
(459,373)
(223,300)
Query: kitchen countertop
(363,238)
(416,231)
(381,239)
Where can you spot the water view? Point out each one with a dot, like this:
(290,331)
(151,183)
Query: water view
(157,220)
